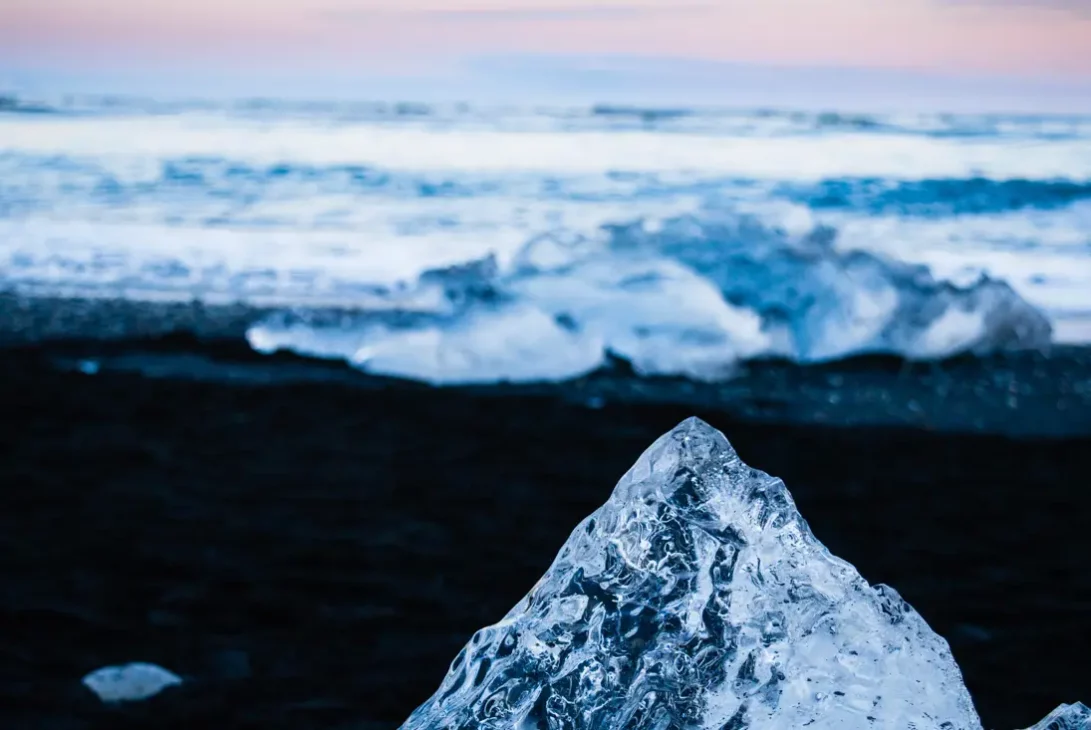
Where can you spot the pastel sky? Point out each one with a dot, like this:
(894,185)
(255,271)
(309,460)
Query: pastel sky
(1046,42)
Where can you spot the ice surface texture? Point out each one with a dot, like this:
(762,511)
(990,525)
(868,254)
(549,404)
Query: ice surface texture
(1067,717)
(697,597)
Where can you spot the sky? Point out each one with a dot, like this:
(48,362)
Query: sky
(1002,48)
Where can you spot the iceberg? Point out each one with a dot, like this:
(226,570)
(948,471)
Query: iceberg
(1066,717)
(833,301)
(689,296)
(697,597)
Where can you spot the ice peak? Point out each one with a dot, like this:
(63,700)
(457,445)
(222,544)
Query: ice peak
(694,442)
(697,598)
(697,426)
(694,471)
(692,445)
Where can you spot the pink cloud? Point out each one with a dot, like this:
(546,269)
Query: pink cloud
(947,35)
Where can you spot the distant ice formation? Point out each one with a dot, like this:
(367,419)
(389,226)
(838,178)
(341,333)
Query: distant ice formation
(130,682)
(697,597)
(833,302)
(690,296)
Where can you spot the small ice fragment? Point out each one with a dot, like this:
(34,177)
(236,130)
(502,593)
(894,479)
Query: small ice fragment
(88,367)
(130,683)
(1066,717)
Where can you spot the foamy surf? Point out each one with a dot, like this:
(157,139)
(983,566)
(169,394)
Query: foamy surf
(469,244)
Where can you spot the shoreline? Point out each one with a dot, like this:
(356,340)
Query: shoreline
(1023,394)
(311,554)
(1019,393)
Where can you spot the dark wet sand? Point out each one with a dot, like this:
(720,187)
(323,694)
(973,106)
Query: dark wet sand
(311,548)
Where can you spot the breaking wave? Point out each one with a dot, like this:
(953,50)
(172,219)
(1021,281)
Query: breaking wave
(692,295)
(940,197)
(14,105)
(41,180)
(611,117)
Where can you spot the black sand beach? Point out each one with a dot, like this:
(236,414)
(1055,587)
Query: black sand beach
(310,547)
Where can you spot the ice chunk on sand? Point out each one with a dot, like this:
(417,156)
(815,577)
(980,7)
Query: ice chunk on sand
(1066,717)
(130,682)
(697,597)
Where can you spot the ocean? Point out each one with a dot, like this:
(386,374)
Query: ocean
(462,243)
